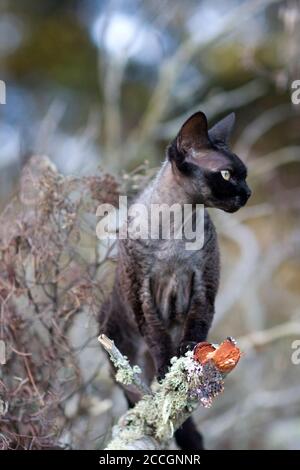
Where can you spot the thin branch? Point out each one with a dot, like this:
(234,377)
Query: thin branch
(121,362)
(172,67)
(262,338)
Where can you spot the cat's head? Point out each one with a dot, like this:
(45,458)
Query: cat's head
(210,172)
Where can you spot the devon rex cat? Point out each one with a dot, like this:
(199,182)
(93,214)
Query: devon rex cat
(163,297)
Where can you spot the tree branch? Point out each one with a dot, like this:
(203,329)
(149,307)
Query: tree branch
(193,380)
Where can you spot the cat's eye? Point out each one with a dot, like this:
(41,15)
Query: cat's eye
(226,174)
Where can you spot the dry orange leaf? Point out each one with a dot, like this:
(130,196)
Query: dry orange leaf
(225,357)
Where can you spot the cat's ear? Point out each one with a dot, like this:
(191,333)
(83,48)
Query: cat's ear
(220,132)
(193,135)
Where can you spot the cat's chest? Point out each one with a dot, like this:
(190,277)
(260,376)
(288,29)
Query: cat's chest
(172,279)
(172,257)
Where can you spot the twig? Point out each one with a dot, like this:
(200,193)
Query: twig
(32,381)
(261,338)
(172,67)
(130,375)
(260,126)
(213,105)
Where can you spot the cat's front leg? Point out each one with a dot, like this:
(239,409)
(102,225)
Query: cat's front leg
(186,346)
(156,335)
(158,341)
(196,327)
(197,324)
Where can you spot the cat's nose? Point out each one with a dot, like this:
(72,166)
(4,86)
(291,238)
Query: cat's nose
(245,194)
(248,192)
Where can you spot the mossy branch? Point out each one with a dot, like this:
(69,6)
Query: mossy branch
(126,374)
(193,380)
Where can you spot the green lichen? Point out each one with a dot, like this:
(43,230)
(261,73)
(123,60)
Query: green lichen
(126,375)
(163,409)
(157,415)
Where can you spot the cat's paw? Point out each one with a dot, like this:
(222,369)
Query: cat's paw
(186,346)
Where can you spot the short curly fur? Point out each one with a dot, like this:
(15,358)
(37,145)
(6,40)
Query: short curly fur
(163,297)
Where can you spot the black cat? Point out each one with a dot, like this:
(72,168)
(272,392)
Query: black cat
(164,295)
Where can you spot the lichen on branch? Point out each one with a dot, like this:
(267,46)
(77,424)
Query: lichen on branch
(192,380)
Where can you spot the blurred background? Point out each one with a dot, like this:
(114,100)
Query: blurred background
(106,84)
